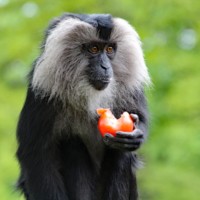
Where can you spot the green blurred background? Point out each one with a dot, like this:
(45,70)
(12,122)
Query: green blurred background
(169,30)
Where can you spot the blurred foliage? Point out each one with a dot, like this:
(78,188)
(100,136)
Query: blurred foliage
(170,32)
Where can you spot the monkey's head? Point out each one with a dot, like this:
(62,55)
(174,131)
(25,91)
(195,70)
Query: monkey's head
(88,58)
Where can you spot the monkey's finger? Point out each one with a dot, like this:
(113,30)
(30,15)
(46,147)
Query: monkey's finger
(124,147)
(125,138)
(135,118)
(109,139)
(137,133)
(123,141)
(114,141)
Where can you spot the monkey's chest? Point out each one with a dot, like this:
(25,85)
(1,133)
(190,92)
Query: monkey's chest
(78,170)
(83,180)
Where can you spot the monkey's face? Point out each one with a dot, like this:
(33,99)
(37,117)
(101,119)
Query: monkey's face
(89,57)
(99,70)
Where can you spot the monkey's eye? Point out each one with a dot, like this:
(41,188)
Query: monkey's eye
(109,49)
(94,49)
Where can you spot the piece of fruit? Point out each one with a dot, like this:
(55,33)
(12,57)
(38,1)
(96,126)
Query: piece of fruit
(109,124)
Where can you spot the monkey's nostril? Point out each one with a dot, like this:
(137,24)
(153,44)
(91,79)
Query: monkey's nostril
(105,67)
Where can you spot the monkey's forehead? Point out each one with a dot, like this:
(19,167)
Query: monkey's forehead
(85,28)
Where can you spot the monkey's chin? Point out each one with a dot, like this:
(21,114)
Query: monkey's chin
(100,84)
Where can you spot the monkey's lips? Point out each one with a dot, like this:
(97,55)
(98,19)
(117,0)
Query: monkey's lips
(100,83)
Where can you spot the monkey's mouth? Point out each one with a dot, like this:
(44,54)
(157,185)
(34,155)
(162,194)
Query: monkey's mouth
(100,83)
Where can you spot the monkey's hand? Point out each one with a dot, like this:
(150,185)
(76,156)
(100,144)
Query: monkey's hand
(126,141)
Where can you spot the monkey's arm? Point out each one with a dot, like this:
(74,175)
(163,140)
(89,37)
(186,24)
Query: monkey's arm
(131,141)
(36,151)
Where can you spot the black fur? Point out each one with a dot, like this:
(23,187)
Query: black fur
(62,169)
(105,26)
(37,152)
(102,22)
(59,166)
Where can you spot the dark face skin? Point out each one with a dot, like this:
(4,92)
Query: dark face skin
(99,70)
